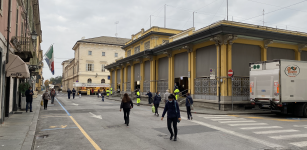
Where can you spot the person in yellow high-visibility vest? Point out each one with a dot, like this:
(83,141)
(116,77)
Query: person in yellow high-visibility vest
(138,98)
(111,91)
(176,92)
(108,92)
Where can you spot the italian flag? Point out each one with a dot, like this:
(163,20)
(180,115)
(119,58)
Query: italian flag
(50,59)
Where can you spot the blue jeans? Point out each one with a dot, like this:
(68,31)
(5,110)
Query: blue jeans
(102,98)
(29,103)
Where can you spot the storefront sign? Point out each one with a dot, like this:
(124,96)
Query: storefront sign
(77,84)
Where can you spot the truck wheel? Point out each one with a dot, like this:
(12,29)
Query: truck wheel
(305,111)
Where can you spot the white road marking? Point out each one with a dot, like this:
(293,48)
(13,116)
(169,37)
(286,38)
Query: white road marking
(95,116)
(265,127)
(300,125)
(218,117)
(300,144)
(237,121)
(270,144)
(288,136)
(248,124)
(275,131)
(75,104)
(228,119)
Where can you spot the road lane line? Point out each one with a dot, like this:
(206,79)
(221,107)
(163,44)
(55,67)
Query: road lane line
(80,128)
(265,127)
(275,131)
(228,119)
(300,144)
(288,136)
(218,117)
(248,124)
(270,144)
(237,121)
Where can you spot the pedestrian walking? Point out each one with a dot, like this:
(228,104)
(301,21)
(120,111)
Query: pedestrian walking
(98,93)
(138,97)
(108,93)
(126,105)
(93,92)
(79,93)
(156,102)
(173,116)
(149,97)
(176,92)
(46,97)
(69,92)
(189,105)
(111,91)
(29,99)
(52,94)
(103,93)
(73,93)
(166,94)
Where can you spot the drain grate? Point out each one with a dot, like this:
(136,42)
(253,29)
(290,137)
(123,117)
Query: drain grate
(41,136)
(17,112)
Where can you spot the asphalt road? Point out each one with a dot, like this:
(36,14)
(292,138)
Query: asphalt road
(87,123)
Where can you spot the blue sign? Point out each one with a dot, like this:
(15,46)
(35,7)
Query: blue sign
(109,77)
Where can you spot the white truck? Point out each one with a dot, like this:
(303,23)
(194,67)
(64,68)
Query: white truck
(280,84)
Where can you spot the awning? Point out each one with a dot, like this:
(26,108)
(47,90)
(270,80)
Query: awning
(16,67)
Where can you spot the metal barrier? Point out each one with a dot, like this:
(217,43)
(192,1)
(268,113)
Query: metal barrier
(205,86)
(240,88)
(146,86)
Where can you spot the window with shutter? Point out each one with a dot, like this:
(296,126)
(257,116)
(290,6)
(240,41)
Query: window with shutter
(136,49)
(92,67)
(86,67)
(128,53)
(103,54)
(116,54)
(89,80)
(102,68)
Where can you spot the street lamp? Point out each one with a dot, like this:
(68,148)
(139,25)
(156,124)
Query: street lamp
(34,35)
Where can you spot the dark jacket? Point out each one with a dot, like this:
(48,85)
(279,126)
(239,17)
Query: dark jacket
(170,109)
(29,97)
(69,92)
(157,99)
(189,98)
(73,91)
(126,105)
(52,94)
(149,95)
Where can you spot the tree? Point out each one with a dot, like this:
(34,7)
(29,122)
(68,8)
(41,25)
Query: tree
(47,84)
(56,80)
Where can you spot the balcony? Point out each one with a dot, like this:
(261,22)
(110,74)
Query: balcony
(24,47)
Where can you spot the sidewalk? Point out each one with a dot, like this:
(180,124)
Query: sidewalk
(18,131)
(201,110)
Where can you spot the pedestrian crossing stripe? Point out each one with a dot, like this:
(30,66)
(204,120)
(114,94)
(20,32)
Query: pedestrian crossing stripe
(275,131)
(300,144)
(263,127)
(280,137)
(237,121)
(248,124)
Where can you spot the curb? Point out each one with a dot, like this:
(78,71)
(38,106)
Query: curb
(206,113)
(29,141)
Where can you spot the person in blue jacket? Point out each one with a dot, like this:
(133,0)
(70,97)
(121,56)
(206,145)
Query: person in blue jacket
(156,103)
(173,115)
(188,104)
(149,97)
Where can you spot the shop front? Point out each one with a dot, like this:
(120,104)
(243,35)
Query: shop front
(92,87)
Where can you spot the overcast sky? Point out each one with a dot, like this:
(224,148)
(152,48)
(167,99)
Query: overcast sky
(66,21)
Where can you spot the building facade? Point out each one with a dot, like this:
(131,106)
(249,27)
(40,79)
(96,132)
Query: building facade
(90,57)
(197,61)
(22,19)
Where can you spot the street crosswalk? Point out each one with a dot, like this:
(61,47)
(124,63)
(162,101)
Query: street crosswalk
(293,137)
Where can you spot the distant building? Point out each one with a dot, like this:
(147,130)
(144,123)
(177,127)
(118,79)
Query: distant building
(86,69)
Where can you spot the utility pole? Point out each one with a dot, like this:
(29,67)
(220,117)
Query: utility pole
(227,10)
(193,17)
(165,16)
(263,17)
(116,28)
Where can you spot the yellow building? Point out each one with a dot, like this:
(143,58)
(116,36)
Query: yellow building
(197,61)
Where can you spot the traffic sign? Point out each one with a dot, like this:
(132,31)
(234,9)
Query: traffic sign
(230,73)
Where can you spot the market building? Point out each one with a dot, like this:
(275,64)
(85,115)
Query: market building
(86,70)
(197,61)
(20,52)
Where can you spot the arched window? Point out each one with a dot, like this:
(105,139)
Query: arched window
(89,80)
(103,81)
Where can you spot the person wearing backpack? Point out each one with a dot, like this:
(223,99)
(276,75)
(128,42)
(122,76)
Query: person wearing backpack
(46,97)
(173,115)
(189,105)
(52,94)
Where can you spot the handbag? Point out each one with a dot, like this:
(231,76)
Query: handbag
(176,111)
(191,106)
(153,109)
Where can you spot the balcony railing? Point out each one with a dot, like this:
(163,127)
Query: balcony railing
(22,44)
